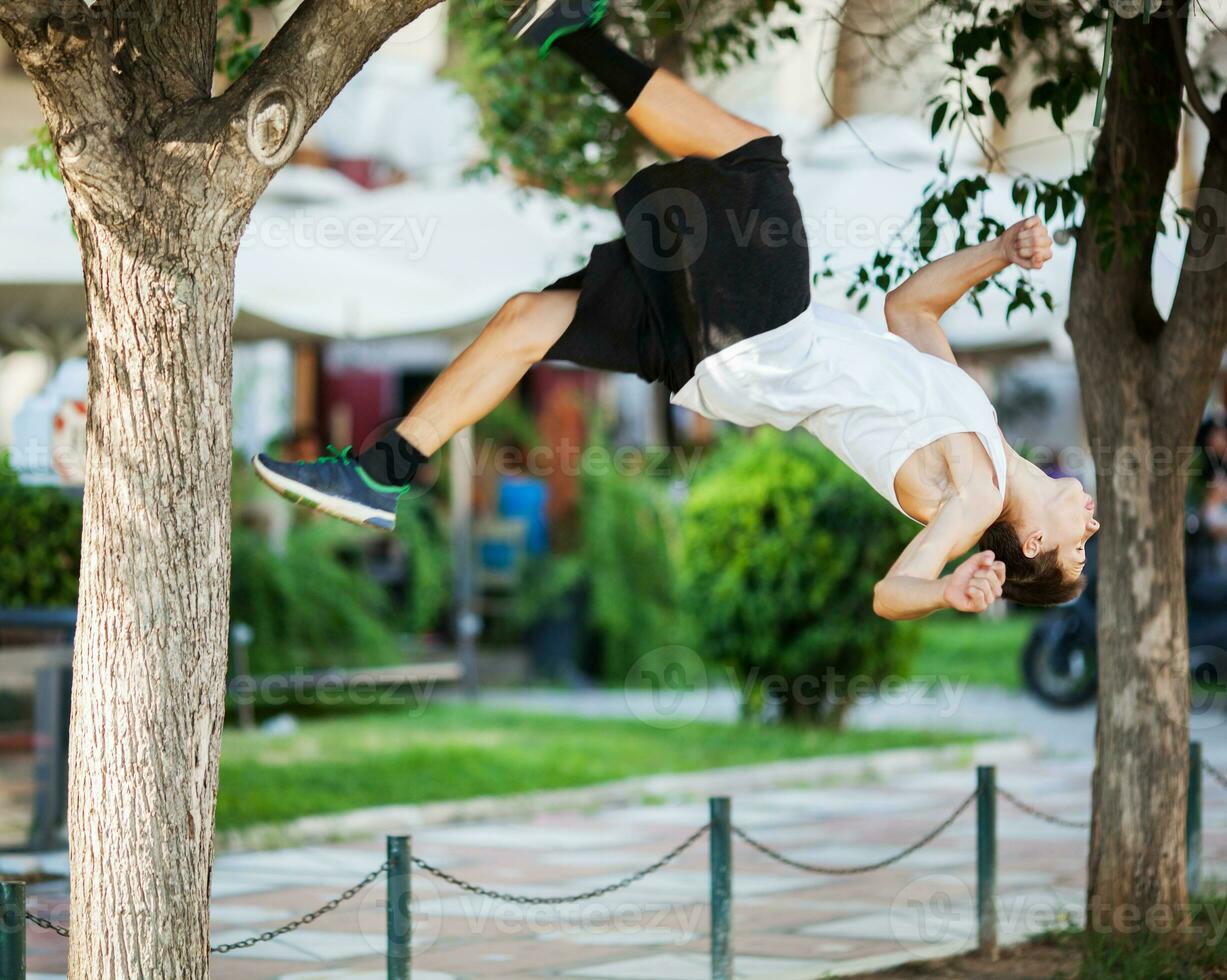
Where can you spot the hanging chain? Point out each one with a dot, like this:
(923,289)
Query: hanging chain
(561,899)
(861,869)
(1218,774)
(1040,814)
(759,846)
(262,937)
(299,922)
(42,923)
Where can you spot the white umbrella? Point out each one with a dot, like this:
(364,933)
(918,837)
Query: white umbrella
(42,292)
(410,259)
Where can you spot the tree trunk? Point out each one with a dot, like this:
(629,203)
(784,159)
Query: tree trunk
(150,655)
(1136,425)
(1137,858)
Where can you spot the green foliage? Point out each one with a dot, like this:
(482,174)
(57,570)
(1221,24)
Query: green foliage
(428,583)
(1196,953)
(974,650)
(1060,47)
(783,545)
(624,564)
(549,123)
(234,49)
(631,552)
(40,155)
(40,543)
(509,424)
(312,606)
(547,581)
(543,120)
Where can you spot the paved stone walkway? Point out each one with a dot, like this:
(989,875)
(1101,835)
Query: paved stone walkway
(788,925)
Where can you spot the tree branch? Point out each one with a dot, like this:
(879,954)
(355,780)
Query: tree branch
(1193,343)
(288,87)
(1216,124)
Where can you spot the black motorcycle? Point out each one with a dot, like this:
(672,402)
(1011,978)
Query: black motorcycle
(1060,660)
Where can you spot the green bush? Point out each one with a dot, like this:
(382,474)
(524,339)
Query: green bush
(428,556)
(629,544)
(40,543)
(312,606)
(783,545)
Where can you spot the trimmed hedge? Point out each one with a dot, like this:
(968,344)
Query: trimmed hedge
(40,543)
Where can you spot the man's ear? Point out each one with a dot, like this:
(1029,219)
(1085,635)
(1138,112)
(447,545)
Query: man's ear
(1033,544)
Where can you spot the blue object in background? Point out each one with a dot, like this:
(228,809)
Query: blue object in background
(526,497)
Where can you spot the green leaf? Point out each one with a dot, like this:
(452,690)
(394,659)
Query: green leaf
(939,115)
(1000,109)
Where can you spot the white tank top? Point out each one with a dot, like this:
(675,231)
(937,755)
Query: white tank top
(871,397)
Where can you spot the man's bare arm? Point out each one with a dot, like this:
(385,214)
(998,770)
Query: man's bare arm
(915,586)
(914,307)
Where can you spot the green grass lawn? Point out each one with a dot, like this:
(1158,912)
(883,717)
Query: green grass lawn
(979,650)
(453,751)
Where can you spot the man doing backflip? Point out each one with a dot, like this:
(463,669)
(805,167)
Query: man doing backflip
(709,292)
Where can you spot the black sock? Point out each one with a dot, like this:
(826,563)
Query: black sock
(620,72)
(391,460)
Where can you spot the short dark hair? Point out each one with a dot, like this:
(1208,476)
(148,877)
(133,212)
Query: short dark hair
(1038,581)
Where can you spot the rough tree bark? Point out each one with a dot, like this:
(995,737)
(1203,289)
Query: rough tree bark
(160,178)
(1144,383)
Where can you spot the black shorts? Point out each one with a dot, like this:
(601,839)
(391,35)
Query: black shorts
(714,251)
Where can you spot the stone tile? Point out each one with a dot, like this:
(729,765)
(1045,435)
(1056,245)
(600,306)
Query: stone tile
(531,838)
(226,968)
(243,915)
(308,945)
(949,925)
(637,937)
(697,966)
(380,974)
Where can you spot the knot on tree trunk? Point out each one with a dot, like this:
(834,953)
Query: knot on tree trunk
(275,125)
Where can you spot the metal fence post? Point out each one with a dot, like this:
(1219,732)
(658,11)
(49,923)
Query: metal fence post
(13,930)
(986,858)
(400,921)
(721,889)
(1192,820)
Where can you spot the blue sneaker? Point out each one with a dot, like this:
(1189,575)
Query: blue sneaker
(335,484)
(542,22)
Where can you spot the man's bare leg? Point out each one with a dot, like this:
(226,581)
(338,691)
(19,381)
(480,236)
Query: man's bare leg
(487,371)
(682,122)
(365,489)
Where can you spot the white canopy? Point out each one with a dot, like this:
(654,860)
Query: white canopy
(409,259)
